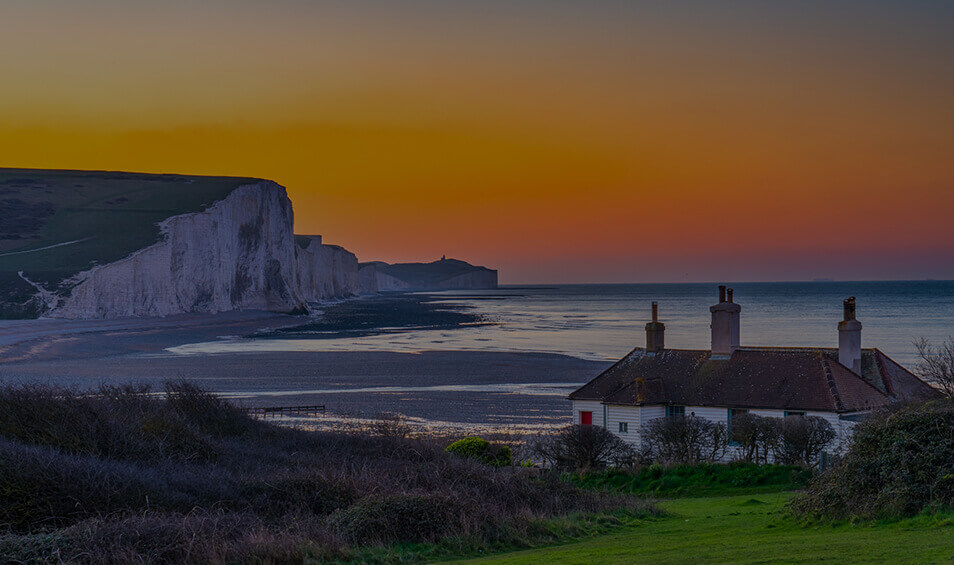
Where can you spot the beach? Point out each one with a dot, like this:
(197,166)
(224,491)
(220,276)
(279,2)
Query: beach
(487,388)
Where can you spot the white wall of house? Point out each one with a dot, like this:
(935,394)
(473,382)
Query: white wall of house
(594,406)
(648,413)
(628,415)
(636,417)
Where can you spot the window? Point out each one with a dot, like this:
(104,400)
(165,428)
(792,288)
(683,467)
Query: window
(787,413)
(674,411)
(586,418)
(624,427)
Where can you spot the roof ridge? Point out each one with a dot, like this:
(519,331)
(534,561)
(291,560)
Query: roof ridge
(609,369)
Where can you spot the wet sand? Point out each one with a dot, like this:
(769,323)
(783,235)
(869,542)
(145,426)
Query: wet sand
(467,387)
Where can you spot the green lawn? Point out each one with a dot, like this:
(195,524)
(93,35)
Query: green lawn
(750,529)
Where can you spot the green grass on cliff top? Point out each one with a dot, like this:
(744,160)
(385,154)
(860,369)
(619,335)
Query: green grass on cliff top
(112,213)
(751,529)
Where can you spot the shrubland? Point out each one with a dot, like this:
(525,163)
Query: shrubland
(126,474)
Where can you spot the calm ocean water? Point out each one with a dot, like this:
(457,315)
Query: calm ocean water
(604,322)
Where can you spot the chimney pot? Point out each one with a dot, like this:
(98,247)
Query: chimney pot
(849,338)
(655,332)
(729,293)
(725,324)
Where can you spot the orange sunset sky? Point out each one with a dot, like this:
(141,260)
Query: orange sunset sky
(599,141)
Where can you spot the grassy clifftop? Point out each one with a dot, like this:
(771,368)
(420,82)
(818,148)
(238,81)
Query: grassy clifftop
(54,223)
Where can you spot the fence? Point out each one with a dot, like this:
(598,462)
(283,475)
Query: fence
(277,411)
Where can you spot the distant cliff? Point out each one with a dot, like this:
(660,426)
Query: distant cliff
(238,254)
(325,271)
(105,245)
(91,244)
(445,274)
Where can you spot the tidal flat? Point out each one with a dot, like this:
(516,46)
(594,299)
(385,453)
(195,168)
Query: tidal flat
(522,390)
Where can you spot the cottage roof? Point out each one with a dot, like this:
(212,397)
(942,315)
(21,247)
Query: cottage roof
(755,377)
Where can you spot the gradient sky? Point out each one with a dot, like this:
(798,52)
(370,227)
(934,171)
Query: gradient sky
(598,141)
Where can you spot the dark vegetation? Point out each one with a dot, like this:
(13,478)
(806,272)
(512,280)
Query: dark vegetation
(18,218)
(684,440)
(125,475)
(705,479)
(900,463)
(689,440)
(793,440)
(582,449)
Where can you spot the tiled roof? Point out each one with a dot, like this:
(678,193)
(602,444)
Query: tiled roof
(755,377)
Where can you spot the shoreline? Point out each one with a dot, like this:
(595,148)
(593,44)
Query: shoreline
(467,388)
(450,390)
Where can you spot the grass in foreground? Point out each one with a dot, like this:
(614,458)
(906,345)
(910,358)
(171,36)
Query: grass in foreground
(752,529)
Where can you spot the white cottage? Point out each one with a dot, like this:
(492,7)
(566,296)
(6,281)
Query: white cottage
(840,385)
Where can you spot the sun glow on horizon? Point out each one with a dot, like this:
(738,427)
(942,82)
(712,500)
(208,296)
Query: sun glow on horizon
(557,142)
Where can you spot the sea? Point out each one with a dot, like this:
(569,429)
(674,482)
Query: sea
(605,321)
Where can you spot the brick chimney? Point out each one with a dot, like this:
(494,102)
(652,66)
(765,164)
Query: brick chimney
(655,332)
(725,324)
(849,338)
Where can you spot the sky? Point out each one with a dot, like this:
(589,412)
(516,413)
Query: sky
(557,141)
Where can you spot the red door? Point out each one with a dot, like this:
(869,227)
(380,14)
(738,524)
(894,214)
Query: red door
(586,418)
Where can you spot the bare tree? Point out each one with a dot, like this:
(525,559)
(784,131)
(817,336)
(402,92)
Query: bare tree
(581,448)
(756,436)
(802,439)
(685,439)
(936,365)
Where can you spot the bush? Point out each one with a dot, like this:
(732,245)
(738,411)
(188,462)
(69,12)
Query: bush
(684,440)
(480,449)
(801,439)
(401,517)
(581,448)
(757,436)
(793,440)
(898,464)
(122,475)
(704,479)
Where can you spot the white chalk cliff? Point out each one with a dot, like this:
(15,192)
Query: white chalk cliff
(325,271)
(239,253)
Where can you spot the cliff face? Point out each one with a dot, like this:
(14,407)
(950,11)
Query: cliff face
(325,271)
(237,254)
(373,278)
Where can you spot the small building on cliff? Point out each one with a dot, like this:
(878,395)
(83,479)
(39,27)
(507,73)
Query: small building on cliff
(840,385)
